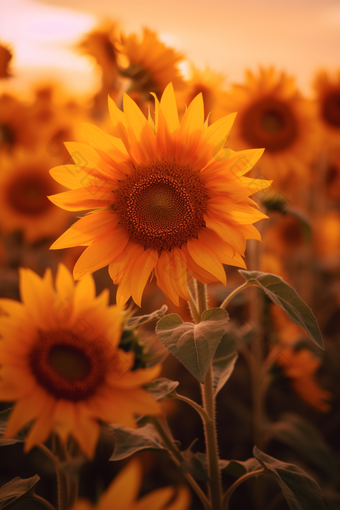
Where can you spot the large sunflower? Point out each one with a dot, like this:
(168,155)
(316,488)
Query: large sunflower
(61,365)
(123,491)
(274,115)
(24,206)
(152,64)
(328,103)
(168,199)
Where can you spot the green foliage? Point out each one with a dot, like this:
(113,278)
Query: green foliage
(134,322)
(286,297)
(130,441)
(162,388)
(222,370)
(239,468)
(305,438)
(194,345)
(17,489)
(299,489)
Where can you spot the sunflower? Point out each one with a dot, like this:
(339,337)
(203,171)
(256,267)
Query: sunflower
(274,115)
(210,84)
(332,177)
(168,201)
(152,64)
(327,90)
(300,367)
(326,237)
(61,365)
(123,491)
(101,44)
(14,125)
(24,184)
(5,58)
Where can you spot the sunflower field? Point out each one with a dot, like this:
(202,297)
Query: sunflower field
(169,256)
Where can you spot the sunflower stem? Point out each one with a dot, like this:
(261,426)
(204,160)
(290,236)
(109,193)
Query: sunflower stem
(177,458)
(234,292)
(54,459)
(238,482)
(43,502)
(194,405)
(210,432)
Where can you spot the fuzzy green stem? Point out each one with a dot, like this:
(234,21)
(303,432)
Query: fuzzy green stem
(210,433)
(238,482)
(55,461)
(236,291)
(194,405)
(214,484)
(43,502)
(178,459)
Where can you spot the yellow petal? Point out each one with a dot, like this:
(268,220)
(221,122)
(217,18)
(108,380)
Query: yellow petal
(207,259)
(37,295)
(193,118)
(42,427)
(93,196)
(227,232)
(141,270)
(86,431)
(88,228)
(101,252)
(25,410)
(135,378)
(169,108)
(156,500)
(123,491)
(64,283)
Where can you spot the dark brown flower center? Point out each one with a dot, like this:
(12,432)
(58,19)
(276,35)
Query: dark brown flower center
(331,108)
(161,205)
(69,366)
(27,194)
(269,123)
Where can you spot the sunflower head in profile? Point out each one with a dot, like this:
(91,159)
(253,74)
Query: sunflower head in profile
(61,363)
(5,59)
(24,186)
(274,115)
(101,44)
(327,90)
(117,497)
(168,199)
(152,64)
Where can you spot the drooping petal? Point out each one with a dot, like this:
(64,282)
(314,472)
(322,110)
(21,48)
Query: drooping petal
(100,253)
(206,258)
(88,228)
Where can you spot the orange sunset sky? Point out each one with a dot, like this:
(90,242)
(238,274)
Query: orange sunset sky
(297,36)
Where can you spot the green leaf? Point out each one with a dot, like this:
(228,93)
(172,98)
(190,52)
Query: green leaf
(285,296)
(162,388)
(222,370)
(16,489)
(305,438)
(20,437)
(197,464)
(239,468)
(194,345)
(130,441)
(134,322)
(299,489)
